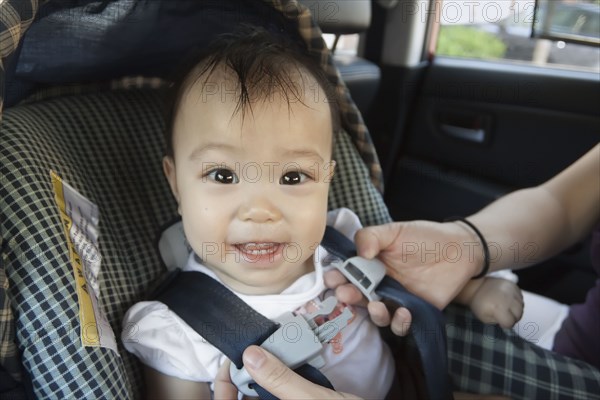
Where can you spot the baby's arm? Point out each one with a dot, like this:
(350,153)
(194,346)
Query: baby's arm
(161,386)
(493,300)
(177,359)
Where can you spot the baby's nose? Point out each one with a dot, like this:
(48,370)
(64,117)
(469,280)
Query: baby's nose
(259,206)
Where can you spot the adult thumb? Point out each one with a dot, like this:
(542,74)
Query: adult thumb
(275,377)
(372,240)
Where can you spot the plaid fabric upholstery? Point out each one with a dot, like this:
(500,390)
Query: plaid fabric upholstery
(488,360)
(348,188)
(15,18)
(109,148)
(9,356)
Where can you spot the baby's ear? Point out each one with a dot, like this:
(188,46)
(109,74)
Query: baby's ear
(169,170)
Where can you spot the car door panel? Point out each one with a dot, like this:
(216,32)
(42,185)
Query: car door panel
(479,130)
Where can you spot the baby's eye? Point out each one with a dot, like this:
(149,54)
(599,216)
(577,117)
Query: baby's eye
(223,175)
(293,178)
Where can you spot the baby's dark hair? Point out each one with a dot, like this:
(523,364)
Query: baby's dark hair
(264,64)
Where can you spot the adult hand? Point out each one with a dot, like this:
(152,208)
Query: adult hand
(433,260)
(275,377)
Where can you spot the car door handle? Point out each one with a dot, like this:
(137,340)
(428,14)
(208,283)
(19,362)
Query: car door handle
(468,134)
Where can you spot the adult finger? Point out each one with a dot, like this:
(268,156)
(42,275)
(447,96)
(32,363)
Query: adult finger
(334,278)
(349,294)
(371,240)
(224,388)
(401,321)
(379,313)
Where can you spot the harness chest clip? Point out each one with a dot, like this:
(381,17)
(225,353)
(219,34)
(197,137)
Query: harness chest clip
(297,341)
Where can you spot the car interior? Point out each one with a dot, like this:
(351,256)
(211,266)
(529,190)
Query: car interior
(429,136)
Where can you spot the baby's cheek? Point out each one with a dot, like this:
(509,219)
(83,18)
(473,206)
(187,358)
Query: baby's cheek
(197,235)
(208,251)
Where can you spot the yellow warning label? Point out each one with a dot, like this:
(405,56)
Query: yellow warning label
(87,316)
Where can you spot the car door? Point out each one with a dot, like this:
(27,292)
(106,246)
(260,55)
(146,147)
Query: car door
(457,131)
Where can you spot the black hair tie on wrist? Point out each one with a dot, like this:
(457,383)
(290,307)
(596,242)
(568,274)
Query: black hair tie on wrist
(486,250)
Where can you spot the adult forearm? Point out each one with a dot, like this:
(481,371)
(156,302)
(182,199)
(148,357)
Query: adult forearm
(530,225)
(522,228)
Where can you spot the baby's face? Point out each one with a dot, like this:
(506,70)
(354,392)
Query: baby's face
(252,195)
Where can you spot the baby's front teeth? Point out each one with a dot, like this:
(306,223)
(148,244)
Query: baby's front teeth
(258,248)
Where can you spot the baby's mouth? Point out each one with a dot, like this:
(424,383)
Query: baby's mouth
(258,249)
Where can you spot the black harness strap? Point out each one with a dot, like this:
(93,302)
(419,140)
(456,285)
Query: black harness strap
(218,315)
(223,319)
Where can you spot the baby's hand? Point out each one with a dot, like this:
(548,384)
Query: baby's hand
(498,301)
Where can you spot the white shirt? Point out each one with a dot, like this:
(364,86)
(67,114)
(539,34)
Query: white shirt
(357,361)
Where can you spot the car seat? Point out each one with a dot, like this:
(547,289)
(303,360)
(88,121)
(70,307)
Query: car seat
(106,141)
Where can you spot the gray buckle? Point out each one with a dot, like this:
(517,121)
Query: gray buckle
(297,341)
(365,274)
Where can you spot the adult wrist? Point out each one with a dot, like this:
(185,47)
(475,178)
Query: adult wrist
(485,264)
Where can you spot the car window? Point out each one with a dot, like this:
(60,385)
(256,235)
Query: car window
(501,30)
(347,44)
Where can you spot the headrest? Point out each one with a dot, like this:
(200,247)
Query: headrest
(340,16)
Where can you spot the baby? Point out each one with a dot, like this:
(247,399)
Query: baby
(249,161)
